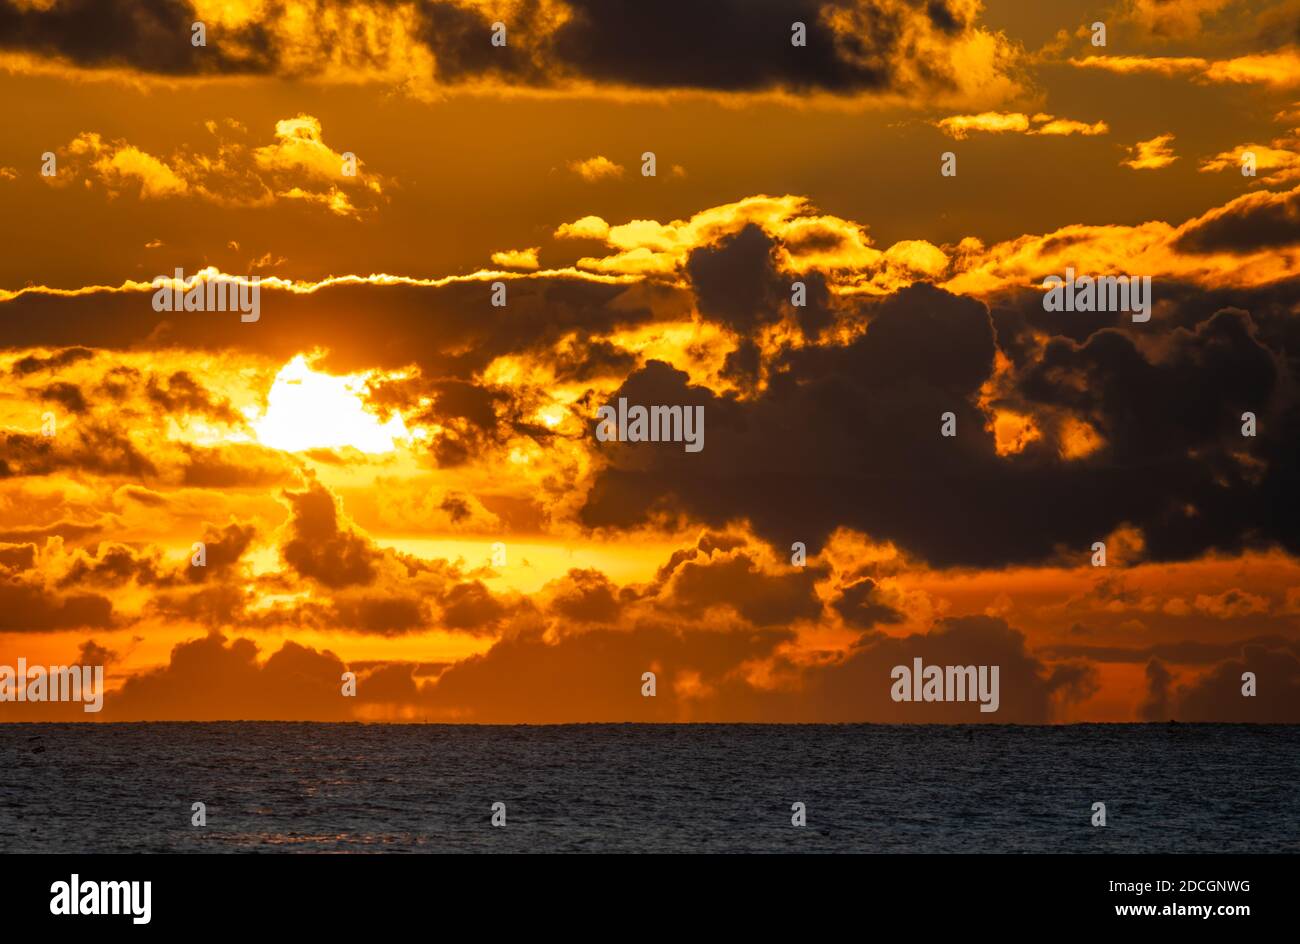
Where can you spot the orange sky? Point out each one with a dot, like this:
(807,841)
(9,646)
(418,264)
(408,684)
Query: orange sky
(394,477)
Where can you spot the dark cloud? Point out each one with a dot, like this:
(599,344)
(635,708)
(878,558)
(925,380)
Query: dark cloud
(33,363)
(63,528)
(451,331)
(181,393)
(112,565)
(1183,652)
(840,436)
(739,283)
(209,679)
(592,676)
(1156,705)
(18,556)
(1218,695)
(143,495)
(590,359)
(1148,407)
(735,281)
(1257,221)
(222,548)
(379,615)
(318,546)
(66,394)
(1030,692)
(731,45)
(29,608)
(466,414)
(585,596)
(861,605)
(92,653)
(724,45)
(88,446)
(597,676)
(849,436)
(737,582)
(215,604)
(152,35)
(472,607)
(237,465)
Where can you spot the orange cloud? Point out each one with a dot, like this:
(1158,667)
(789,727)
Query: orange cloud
(961,126)
(596,168)
(1151,154)
(1280,69)
(517,258)
(1276,162)
(297,166)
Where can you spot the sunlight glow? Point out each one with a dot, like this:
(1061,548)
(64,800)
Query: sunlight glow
(307,409)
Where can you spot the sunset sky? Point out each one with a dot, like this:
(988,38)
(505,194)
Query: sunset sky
(351,458)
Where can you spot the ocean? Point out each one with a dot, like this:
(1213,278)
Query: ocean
(307,787)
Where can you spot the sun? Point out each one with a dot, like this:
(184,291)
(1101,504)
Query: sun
(307,409)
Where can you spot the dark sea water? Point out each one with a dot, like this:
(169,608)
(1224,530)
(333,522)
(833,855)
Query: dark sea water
(628,788)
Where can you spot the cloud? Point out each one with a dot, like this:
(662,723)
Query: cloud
(1171,19)
(862,605)
(1151,154)
(27,607)
(223,549)
(118,164)
(888,50)
(585,596)
(1218,696)
(1211,250)
(1279,69)
(517,258)
(805,240)
(1156,705)
(890,385)
(596,168)
(18,556)
(1062,127)
(589,227)
(181,393)
(215,679)
(112,566)
(735,580)
(720,676)
(32,362)
(297,165)
(1046,405)
(321,546)
(994,122)
(1158,65)
(1275,163)
(1254,222)
(591,676)
(1231,604)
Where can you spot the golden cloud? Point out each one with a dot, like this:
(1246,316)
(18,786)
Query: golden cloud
(994,122)
(1280,69)
(596,168)
(298,165)
(1151,154)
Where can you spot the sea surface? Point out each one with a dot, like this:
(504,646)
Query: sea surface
(285,787)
